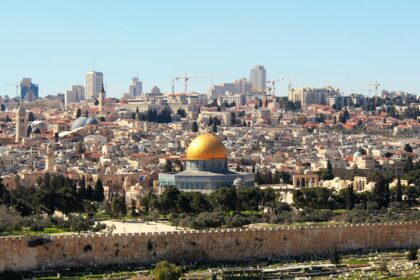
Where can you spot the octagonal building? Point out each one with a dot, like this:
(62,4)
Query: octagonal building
(206,168)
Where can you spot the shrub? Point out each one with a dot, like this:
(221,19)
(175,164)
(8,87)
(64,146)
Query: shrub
(167,271)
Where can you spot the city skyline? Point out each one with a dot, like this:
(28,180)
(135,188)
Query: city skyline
(317,44)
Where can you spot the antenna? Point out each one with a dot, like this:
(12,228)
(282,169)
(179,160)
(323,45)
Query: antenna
(173,83)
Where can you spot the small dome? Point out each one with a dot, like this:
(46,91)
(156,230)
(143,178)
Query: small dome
(79,122)
(91,121)
(238,183)
(37,131)
(206,147)
(357,155)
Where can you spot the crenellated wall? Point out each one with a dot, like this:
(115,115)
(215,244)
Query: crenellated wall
(59,251)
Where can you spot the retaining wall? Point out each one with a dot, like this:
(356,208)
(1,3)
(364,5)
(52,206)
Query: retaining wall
(60,251)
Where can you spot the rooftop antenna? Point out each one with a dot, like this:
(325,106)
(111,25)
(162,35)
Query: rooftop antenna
(173,83)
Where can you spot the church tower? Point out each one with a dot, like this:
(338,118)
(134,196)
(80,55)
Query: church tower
(102,107)
(50,160)
(21,123)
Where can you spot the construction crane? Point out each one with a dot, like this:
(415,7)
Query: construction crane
(16,85)
(186,78)
(375,86)
(273,84)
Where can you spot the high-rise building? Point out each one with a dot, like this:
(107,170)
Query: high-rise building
(76,94)
(28,90)
(136,87)
(258,78)
(308,96)
(94,81)
(80,92)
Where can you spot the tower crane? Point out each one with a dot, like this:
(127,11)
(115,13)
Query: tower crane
(186,78)
(273,84)
(16,85)
(375,86)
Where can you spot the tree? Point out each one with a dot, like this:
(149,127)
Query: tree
(118,206)
(412,254)
(167,168)
(167,271)
(133,208)
(81,148)
(31,117)
(381,192)
(78,113)
(398,191)
(350,198)
(28,131)
(408,148)
(408,164)
(194,127)
(214,128)
(98,192)
(168,200)
(334,256)
(233,118)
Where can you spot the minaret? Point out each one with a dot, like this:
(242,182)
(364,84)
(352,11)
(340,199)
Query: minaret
(21,123)
(137,121)
(50,160)
(102,96)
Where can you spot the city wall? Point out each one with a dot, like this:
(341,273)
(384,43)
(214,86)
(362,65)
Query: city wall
(61,251)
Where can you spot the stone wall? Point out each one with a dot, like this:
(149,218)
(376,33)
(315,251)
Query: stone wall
(30,253)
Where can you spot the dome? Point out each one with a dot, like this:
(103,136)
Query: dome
(37,131)
(79,122)
(206,147)
(356,155)
(91,121)
(238,183)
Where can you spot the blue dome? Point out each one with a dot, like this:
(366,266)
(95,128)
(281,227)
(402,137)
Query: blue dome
(91,121)
(79,122)
(37,131)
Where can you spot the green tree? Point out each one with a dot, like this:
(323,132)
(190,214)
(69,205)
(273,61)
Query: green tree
(214,128)
(167,271)
(381,192)
(98,192)
(412,254)
(194,127)
(118,206)
(168,200)
(350,198)
(168,168)
(31,117)
(398,191)
(408,148)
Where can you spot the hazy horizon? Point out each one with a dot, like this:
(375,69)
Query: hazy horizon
(316,43)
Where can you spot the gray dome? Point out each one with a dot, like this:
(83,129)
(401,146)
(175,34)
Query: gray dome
(37,131)
(238,183)
(91,121)
(79,122)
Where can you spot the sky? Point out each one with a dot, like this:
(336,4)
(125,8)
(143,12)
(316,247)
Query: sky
(347,44)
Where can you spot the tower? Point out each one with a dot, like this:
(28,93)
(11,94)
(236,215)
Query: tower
(137,123)
(94,80)
(21,123)
(258,78)
(50,160)
(102,107)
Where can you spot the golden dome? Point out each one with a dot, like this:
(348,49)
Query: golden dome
(206,147)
